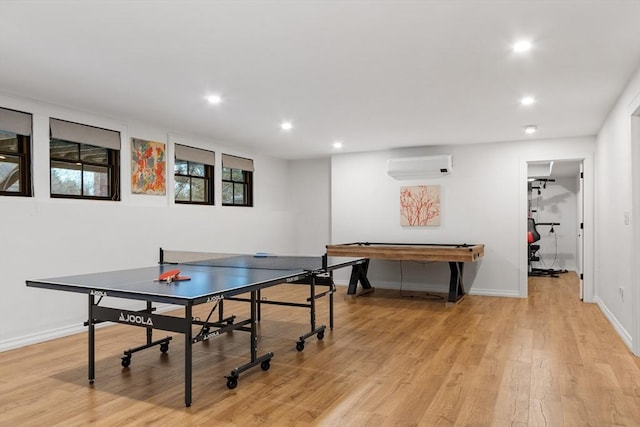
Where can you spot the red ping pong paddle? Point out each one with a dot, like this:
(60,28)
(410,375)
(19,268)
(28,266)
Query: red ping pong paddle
(171,276)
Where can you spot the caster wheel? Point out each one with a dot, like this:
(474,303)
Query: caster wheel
(265,365)
(232,382)
(321,335)
(126,361)
(300,346)
(230,322)
(205,331)
(164,347)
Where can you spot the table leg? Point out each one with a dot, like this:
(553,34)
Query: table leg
(254,332)
(92,341)
(259,312)
(359,273)
(331,292)
(456,289)
(149,330)
(187,354)
(312,302)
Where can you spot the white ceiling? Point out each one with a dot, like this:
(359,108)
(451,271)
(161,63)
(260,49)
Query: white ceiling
(374,74)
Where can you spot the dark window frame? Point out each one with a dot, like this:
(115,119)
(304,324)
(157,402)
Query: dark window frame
(113,166)
(23,154)
(209,173)
(246,183)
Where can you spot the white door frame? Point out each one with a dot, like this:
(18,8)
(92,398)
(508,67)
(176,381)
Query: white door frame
(580,238)
(635,221)
(588,220)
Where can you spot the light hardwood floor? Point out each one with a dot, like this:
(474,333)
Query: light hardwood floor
(549,360)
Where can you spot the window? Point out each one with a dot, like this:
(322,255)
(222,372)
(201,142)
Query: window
(193,172)
(85,161)
(15,153)
(237,181)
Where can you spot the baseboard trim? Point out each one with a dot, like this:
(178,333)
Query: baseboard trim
(621,331)
(442,290)
(64,331)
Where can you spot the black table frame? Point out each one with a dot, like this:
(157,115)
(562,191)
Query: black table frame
(313,282)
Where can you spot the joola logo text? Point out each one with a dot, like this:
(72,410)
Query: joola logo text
(137,319)
(215,298)
(210,335)
(98,293)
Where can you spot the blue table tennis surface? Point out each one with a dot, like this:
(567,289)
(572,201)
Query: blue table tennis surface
(218,276)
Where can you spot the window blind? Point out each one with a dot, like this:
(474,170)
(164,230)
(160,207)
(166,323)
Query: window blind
(15,122)
(196,155)
(75,132)
(234,162)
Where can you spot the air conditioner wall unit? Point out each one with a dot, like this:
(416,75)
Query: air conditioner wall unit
(419,167)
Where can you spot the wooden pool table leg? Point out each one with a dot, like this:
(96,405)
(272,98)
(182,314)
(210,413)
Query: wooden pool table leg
(359,273)
(456,289)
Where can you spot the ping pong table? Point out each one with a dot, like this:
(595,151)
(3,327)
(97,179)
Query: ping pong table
(212,280)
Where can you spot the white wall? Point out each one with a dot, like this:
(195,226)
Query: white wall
(483,201)
(44,237)
(310,201)
(614,239)
(557,203)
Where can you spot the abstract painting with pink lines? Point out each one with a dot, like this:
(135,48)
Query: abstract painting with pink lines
(420,205)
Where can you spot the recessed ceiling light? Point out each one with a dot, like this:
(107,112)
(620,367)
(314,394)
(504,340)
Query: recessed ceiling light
(522,46)
(337,145)
(286,126)
(528,100)
(214,99)
(529,129)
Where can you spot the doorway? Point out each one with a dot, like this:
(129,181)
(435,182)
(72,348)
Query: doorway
(564,205)
(555,209)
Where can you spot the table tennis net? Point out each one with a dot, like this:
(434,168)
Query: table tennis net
(254,261)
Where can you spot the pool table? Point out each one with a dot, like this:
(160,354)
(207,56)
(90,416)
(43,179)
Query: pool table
(455,254)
